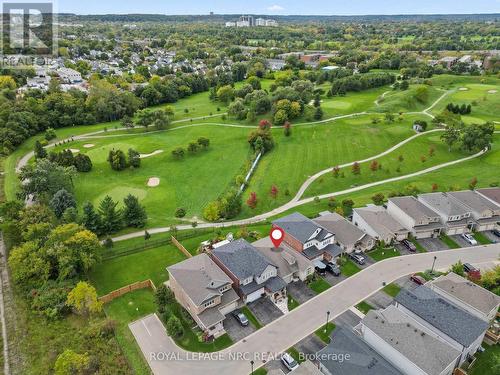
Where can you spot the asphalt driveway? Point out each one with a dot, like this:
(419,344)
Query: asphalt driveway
(379,300)
(300,291)
(235,330)
(264,310)
(432,244)
(489,234)
(460,241)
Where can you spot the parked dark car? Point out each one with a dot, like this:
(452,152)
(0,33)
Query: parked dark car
(417,279)
(241,318)
(469,268)
(320,267)
(496,232)
(333,268)
(357,257)
(409,245)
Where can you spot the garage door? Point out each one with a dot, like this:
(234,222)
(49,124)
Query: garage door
(229,308)
(255,295)
(423,235)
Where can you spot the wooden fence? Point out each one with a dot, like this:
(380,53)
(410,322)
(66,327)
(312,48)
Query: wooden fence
(128,288)
(180,247)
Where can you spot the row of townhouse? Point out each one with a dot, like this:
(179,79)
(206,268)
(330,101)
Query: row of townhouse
(429,215)
(213,284)
(430,330)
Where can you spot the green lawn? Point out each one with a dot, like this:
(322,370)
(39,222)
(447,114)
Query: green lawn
(412,153)
(392,289)
(319,285)
(456,177)
(260,371)
(124,310)
(364,307)
(487,362)
(383,253)
(483,96)
(148,264)
(397,101)
(348,268)
(481,238)
(449,242)
(251,317)
(292,303)
(325,332)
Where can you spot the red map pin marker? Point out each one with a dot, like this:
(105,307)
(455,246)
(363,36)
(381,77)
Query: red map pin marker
(277,235)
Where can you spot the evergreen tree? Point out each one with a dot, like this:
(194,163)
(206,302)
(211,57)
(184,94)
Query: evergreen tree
(134,214)
(40,152)
(111,217)
(91,219)
(117,160)
(83,163)
(61,201)
(134,158)
(318,113)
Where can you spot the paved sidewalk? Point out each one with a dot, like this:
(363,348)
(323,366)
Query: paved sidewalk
(286,331)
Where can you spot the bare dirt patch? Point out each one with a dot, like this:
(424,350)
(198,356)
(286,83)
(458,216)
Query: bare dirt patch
(153,181)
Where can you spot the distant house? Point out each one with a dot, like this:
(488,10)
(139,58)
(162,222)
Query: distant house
(485,213)
(375,221)
(467,295)
(69,75)
(348,236)
(291,265)
(415,216)
(276,64)
(253,274)
(362,360)
(461,329)
(456,217)
(406,344)
(205,291)
(448,61)
(308,237)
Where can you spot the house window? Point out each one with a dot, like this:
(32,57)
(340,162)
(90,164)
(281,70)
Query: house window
(209,303)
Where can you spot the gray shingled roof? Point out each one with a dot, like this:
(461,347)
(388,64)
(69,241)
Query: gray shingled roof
(313,252)
(363,360)
(300,227)
(242,259)
(200,278)
(467,292)
(491,193)
(413,208)
(380,221)
(475,202)
(346,233)
(409,338)
(442,203)
(450,319)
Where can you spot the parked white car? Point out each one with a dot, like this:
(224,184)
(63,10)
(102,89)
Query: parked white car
(468,237)
(289,362)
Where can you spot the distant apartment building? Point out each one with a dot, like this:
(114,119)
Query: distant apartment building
(250,21)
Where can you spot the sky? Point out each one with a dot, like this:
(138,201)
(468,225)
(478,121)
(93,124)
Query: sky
(281,7)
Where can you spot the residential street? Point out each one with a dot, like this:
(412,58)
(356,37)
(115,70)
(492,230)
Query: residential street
(286,331)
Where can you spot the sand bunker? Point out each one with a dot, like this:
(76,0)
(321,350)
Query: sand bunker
(74,150)
(142,156)
(153,181)
(88,145)
(492,91)
(463,89)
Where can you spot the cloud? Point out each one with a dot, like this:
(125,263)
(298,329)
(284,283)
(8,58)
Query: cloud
(275,8)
